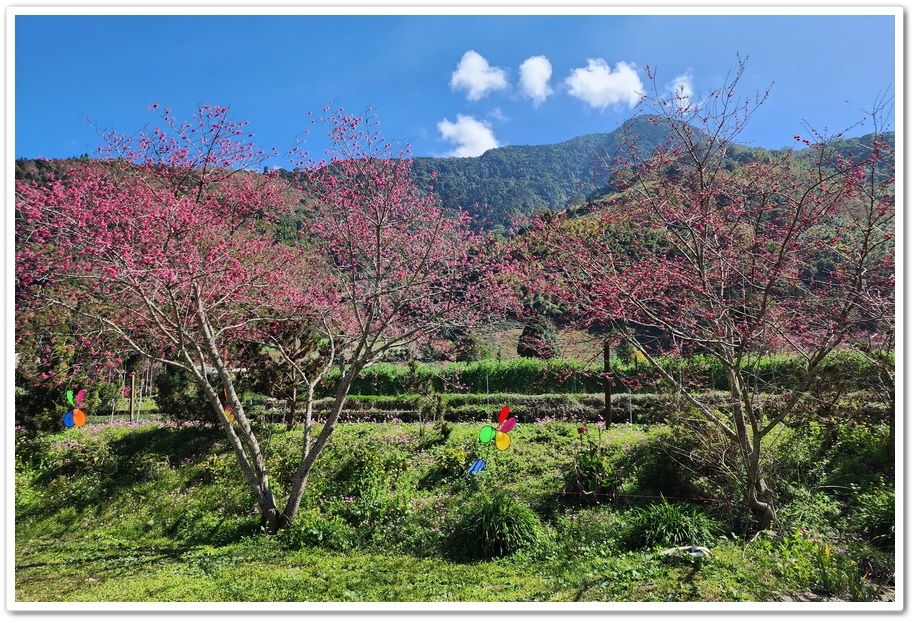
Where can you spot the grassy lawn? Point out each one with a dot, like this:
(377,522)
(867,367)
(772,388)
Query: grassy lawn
(157,514)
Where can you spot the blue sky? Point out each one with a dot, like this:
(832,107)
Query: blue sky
(445,84)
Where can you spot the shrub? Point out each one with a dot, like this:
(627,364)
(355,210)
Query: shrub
(77,452)
(30,448)
(101,397)
(692,459)
(179,397)
(797,458)
(493,525)
(449,464)
(539,341)
(536,376)
(525,408)
(860,455)
(812,510)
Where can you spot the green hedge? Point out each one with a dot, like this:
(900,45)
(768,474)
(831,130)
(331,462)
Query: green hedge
(847,369)
(586,408)
(473,407)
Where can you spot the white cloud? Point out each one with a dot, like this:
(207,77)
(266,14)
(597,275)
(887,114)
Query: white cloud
(497,114)
(535,78)
(681,89)
(473,137)
(599,87)
(475,75)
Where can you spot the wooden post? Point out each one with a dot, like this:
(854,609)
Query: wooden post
(133,392)
(607,383)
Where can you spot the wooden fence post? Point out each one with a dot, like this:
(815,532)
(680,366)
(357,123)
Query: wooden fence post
(607,383)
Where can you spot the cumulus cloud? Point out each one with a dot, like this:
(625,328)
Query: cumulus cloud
(472,137)
(681,89)
(599,87)
(535,78)
(475,75)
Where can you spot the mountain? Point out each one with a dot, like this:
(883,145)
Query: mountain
(505,183)
(508,182)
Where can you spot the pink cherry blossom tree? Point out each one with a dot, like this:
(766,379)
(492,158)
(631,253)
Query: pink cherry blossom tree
(405,270)
(703,250)
(166,246)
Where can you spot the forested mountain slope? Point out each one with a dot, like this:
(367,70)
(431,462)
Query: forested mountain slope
(515,181)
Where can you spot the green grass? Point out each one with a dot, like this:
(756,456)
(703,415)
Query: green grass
(155,514)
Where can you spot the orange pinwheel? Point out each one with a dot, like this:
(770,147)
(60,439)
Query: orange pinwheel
(75,417)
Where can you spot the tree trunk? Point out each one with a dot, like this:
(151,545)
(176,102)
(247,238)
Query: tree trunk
(311,451)
(760,500)
(291,411)
(759,495)
(247,451)
(607,383)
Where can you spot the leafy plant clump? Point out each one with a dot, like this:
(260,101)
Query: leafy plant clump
(313,529)
(668,525)
(492,526)
(874,515)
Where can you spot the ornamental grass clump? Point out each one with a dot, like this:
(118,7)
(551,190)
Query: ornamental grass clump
(493,525)
(668,525)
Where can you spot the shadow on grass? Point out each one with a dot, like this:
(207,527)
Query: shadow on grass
(114,558)
(174,445)
(98,473)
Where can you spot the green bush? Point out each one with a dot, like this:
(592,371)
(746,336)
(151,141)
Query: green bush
(493,525)
(843,370)
(471,407)
(810,509)
(75,453)
(450,463)
(838,574)
(806,559)
(178,396)
(30,448)
(797,458)
(860,455)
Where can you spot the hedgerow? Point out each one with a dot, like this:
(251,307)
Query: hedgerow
(846,369)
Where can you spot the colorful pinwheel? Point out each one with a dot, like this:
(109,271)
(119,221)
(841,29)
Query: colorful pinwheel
(75,417)
(499,433)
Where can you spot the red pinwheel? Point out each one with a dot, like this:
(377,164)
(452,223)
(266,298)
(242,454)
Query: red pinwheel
(499,433)
(75,417)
